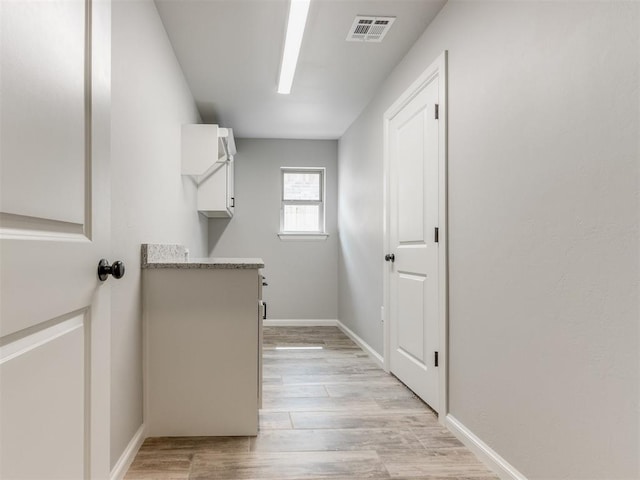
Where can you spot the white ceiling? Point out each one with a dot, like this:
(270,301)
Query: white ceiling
(230,52)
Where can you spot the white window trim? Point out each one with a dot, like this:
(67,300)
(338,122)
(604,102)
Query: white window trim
(298,235)
(302,236)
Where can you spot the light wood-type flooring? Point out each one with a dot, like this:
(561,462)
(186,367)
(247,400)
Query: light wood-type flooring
(328,413)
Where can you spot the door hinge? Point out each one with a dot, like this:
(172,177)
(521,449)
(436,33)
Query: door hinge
(435,362)
(437,112)
(436,234)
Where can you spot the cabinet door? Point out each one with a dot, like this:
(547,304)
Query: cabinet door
(231,199)
(214,199)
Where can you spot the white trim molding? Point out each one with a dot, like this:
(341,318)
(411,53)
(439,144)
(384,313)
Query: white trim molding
(290,237)
(126,459)
(375,356)
(300,322)
(486,454)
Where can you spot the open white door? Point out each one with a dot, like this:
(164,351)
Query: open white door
(54,228)
(415,147)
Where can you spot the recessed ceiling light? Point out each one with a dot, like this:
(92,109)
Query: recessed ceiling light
(298,10)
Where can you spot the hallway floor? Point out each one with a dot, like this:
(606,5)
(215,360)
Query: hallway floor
(328,413)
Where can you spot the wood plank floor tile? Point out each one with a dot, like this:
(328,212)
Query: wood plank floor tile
(360,364)
(157,475)
(370,390)
(443,462)
(402,404)
(377,376)
(275,420)
(289,356)
(161,465)
(193,444)
(293,391)
(272,380)
(289,466)
(458,476)
(341,345)
(294,342)
(320,404)
(277,333)
(343,440)
(310,369)
(436,436)
(318,420)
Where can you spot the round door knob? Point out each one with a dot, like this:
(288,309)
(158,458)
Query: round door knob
(390,257)
(104,269)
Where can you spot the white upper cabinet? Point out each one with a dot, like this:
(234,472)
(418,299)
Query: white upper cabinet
(207,153)
(205,145)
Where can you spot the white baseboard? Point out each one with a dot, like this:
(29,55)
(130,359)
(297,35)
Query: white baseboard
(489,457)
(302,322)
(127,457)
(361,343)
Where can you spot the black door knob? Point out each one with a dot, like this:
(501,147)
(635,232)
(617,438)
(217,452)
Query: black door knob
(390,257)
(104,269)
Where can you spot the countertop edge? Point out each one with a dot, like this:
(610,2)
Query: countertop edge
(202,265)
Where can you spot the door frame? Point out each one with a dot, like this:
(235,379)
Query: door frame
(437,69)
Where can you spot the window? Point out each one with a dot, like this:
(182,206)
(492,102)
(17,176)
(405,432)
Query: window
(302,209)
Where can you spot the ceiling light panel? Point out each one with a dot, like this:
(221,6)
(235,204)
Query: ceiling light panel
(366,28)
(298,11)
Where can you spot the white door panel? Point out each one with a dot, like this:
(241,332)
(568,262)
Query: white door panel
(54,228)
(43,110)
(410,312)
(45,386)
(410,165)
(413,142)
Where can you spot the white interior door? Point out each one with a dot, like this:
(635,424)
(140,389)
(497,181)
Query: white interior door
(54,228)
(413,155)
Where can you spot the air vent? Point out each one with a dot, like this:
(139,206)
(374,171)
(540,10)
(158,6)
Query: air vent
(369,29)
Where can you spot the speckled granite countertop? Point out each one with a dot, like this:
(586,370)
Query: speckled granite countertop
(176,256)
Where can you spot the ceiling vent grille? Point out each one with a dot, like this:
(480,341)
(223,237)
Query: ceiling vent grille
(369,29)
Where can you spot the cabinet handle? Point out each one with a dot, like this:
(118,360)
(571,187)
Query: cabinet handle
(264,313)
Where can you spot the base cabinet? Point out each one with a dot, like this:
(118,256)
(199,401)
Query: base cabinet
(202,331)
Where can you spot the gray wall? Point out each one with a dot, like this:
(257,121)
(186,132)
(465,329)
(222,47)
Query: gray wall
(543,228)
(301,274)
(150,200)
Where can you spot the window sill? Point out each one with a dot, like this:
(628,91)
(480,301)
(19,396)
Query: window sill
(287,237)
